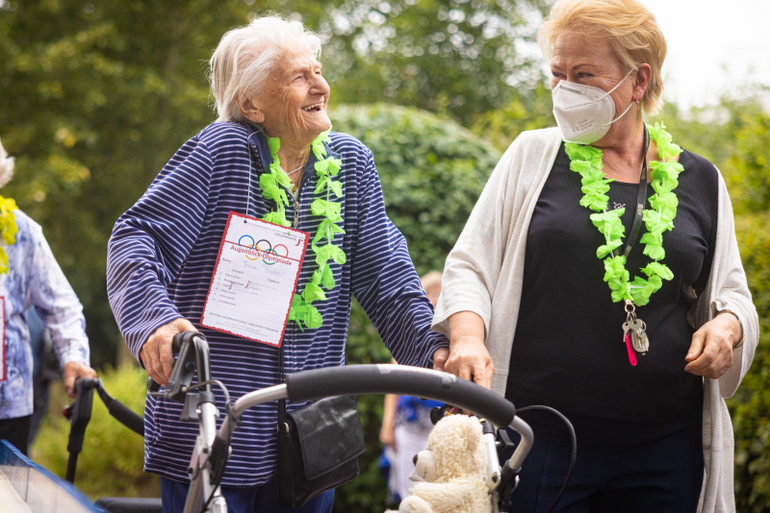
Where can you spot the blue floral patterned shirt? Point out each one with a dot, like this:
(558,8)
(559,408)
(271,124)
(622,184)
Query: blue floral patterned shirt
(35,279)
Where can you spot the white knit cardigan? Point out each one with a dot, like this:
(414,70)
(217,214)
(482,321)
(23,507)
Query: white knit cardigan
(484,274)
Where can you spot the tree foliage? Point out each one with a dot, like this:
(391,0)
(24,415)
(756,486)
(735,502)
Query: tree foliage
(523,112)
(750,170)
(464,57)
(432,170)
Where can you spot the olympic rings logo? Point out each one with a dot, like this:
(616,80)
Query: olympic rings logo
(270,249)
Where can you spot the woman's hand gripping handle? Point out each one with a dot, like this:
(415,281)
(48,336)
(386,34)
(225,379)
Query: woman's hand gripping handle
(467,357)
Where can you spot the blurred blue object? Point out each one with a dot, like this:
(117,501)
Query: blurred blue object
(37,487)
(409,408)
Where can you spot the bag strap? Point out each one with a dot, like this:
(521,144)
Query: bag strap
(282,403)
(282,415)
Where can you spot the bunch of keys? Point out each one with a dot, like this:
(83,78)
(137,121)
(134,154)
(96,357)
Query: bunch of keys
(636,330)
(639,340)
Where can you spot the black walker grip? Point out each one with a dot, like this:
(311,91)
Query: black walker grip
(127,417)
(152,385)
(402,380)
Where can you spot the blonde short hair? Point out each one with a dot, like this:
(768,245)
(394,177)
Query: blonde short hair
(630,29)
(6,166)
(246,56)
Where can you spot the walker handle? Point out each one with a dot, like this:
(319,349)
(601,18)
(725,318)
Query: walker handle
(402,380)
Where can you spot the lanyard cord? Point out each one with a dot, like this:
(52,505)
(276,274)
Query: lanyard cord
(641,199)
(248,191)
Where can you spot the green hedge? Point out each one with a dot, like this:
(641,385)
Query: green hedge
(750,407)
(432,171)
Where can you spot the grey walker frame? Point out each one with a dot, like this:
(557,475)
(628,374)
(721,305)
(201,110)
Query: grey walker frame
(212,447)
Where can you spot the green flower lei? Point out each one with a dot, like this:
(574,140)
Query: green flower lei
(273,184)
(587,161)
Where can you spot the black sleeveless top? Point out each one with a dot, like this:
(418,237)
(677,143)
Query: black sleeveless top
(568,350)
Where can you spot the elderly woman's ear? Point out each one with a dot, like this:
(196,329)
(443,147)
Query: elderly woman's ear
(251,111)
(643,74)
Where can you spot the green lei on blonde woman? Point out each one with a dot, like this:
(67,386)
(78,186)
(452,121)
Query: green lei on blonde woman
(587,161)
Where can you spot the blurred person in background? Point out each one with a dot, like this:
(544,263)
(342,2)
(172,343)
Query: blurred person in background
(623,305)
(406,421)
(45,370)
(31,277)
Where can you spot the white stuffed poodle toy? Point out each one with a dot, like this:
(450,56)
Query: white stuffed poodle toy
(450,474)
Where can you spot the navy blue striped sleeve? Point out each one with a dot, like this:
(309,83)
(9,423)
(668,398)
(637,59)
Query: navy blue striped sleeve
(163,252)
(385,281)
(151,240)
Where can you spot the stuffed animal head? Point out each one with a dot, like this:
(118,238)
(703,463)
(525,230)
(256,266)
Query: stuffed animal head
(424,467)
(458,448)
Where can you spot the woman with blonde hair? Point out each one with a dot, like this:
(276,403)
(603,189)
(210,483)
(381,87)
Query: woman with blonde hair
(601,272)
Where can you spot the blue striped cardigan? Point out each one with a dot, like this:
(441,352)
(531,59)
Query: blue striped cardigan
(161,257)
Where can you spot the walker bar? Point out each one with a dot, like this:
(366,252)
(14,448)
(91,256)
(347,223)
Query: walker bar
(403,380)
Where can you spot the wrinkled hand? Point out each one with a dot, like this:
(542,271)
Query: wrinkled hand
(157,354)
(73,371)
(711,352)
(468,356)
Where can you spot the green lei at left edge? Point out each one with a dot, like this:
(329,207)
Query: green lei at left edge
(587,161)
(273,184)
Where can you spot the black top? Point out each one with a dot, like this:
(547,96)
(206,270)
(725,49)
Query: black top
(568,350)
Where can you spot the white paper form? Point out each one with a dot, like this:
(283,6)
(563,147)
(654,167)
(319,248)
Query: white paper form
(254,279)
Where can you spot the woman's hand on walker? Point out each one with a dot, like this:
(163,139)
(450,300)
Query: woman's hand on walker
(73,371)
(469,358)
(711,352)
(157,354)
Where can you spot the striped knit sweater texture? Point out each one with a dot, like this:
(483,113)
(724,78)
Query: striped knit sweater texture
(161,258)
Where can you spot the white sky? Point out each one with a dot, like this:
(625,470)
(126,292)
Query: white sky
(714,46)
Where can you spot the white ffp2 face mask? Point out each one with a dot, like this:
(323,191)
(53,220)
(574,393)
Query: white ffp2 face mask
(584,113)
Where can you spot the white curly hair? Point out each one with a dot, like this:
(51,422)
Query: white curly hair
(244,58)
(6,166)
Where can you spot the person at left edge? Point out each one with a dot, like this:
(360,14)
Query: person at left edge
(33,278)
(268,85)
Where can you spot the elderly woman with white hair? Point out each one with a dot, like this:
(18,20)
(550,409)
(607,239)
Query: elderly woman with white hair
(269,156)
(621,304)
(31,277)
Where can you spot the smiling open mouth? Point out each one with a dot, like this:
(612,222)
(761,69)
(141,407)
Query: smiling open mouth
(318,107)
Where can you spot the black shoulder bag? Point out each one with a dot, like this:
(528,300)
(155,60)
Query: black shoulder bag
(318,447)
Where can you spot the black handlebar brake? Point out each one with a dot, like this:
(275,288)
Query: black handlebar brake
(193,350)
